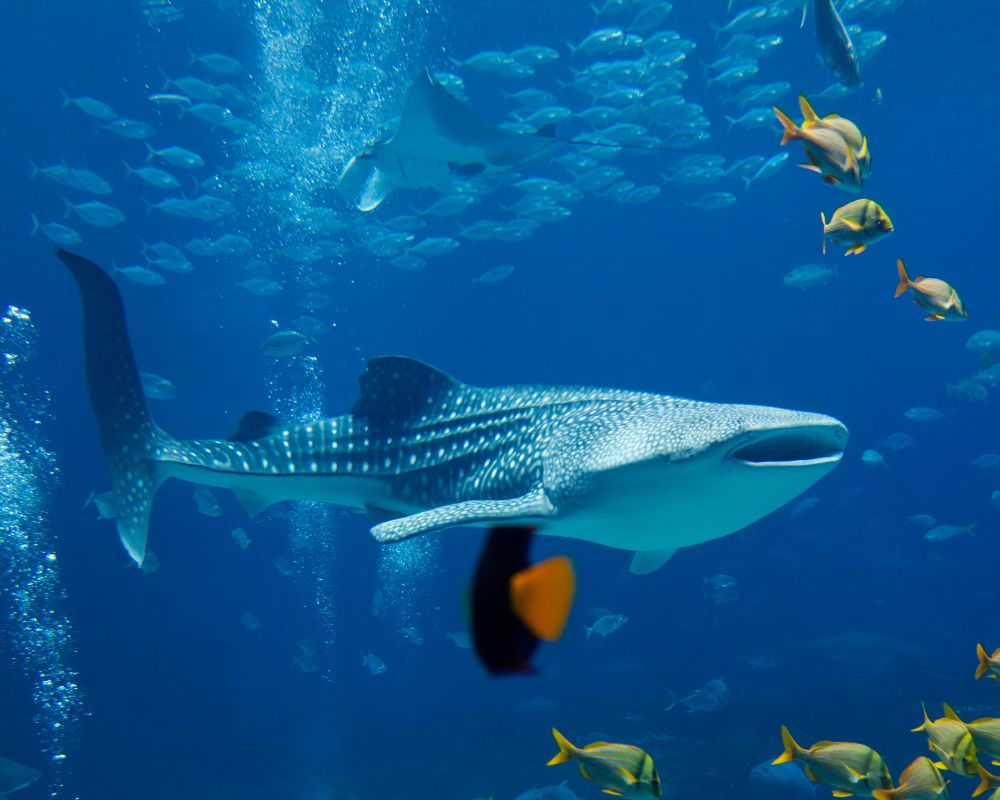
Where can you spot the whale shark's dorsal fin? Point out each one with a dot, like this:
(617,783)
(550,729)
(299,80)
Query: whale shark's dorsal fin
(396,389)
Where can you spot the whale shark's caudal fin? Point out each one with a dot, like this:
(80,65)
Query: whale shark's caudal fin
(129,436)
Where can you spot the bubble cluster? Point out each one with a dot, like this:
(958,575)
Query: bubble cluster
(39,634)
(295,388)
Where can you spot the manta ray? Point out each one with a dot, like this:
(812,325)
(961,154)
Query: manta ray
(438,140)
(420,451)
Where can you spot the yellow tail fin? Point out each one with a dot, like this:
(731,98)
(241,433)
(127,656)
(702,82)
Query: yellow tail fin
(542,596)
(986,781)
(884,794)
(566,750)
(791,129)
(984,662)
(791,748)
(904,279)
(808,113)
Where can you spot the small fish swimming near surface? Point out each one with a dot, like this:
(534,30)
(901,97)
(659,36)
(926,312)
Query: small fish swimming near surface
(206,502)
(240,537)
(942,533)
(923,414)
(858,224)
(607,624)
(721,589)
(989,665)
(283,343)
(131,129)
(809,276)
(713,696)
(935,296)
(55,232)
(921,780)
(104,503)
(873,458)
(374,664)
(495,274)
(849,768)
(157,387)
(90,107)
(622,770)
(98,214)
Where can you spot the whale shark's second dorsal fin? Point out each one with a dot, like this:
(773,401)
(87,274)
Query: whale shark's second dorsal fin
(396,389)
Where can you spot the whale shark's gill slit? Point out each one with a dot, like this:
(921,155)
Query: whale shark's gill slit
(791,447)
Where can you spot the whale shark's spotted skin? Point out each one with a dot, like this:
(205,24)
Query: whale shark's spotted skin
(421,451)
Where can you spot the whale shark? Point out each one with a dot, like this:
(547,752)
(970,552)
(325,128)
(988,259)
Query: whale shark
(420,451)
(439,139)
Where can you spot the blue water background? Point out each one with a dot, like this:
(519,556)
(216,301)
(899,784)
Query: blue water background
(184,702)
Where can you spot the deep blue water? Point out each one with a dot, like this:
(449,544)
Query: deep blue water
(857,618)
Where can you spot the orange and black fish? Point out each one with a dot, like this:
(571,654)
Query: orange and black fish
(516,604)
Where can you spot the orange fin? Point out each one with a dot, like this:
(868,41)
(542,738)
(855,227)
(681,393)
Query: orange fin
(791,131)
(882,794)
(542,596)
(904,284)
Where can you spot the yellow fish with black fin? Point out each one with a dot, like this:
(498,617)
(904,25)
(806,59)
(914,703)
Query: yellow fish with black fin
(858,224)
(985,732)
(623,770)
(933,295)
(951,742)
(919,781)
(988,665)
(848,768)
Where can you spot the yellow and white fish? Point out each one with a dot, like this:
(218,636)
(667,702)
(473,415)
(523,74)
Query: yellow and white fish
(857,224)
(919,781)
(985,732)
(935,296)
(951,741)
(829,150)
(623,770)
(848,767)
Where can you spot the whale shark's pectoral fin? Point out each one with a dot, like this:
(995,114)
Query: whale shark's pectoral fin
(646,561)
(252,502)
(470,512)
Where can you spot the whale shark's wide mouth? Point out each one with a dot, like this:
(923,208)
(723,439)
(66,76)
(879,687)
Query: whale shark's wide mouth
(792,447)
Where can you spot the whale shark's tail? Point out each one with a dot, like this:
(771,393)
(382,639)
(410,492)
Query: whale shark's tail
(130,438)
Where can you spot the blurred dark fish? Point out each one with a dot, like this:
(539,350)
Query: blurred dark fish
(835,43)
(515,605)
